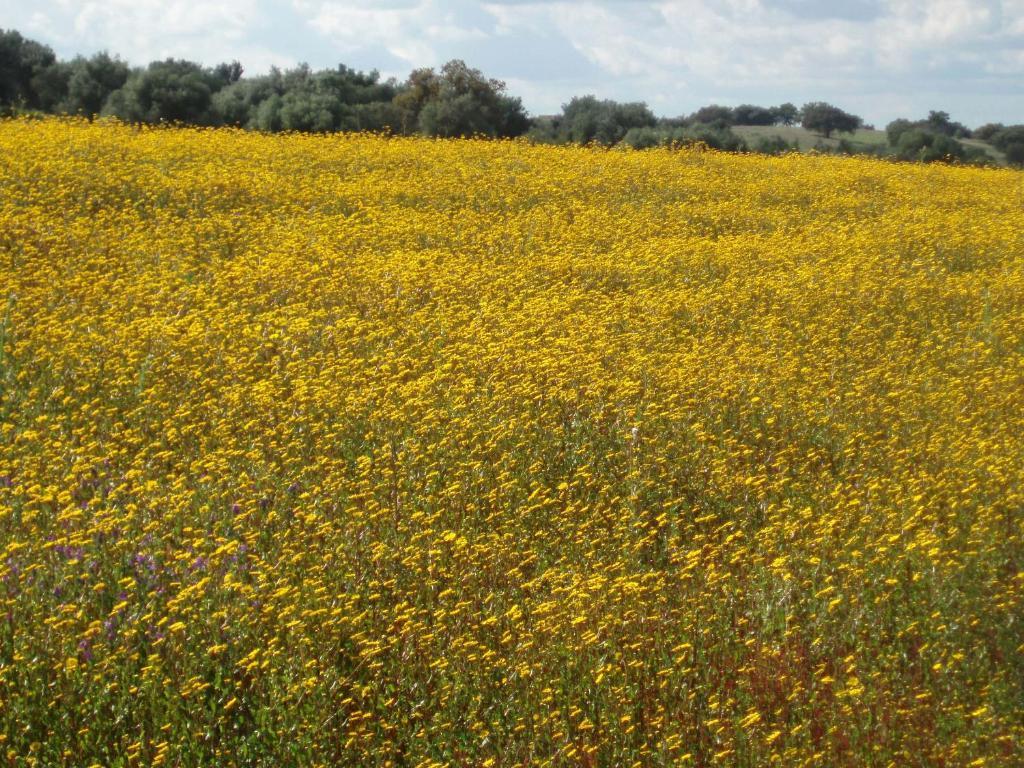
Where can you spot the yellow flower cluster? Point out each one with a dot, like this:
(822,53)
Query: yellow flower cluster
(348,450)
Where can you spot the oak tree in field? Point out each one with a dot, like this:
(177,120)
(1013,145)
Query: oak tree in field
(826,119)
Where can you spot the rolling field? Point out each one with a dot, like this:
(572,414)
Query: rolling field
(327,451)
(862,138)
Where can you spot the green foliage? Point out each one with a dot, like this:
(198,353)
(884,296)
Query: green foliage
(786,114)
(927,147)
(587,119)
(459,101)
(987,131)
(773,145)
(939,122)
(50,86)
(239,103)
(644,138)
(92,81)
(1010,141)
(713,114)
(936,124)
(714,136)
(22,61)
(826,119)
(895,129)
(668,135)
(749,114)
(173,90)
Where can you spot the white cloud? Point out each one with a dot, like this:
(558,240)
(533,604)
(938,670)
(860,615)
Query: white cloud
(418,33)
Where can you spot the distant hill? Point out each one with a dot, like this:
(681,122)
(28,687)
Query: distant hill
(863,139)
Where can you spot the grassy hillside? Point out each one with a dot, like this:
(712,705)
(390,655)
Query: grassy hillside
(348,451)
(861,139)
(808,140)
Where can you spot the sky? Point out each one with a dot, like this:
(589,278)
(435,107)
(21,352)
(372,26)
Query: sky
(880,59)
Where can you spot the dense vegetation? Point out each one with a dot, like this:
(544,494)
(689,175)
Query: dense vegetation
(338,450)
(457,100)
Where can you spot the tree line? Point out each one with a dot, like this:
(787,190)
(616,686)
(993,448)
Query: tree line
(455,100)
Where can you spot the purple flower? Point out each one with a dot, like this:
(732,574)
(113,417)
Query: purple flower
(85,651)
(68,552)
(143,561)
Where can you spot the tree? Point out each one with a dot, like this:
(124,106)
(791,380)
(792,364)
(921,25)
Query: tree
(895,129)
(459,101)
(1010,141)
(927,147)
(239,103)
(170,90)
(826,119)
(772,145)
(1015,153)
(377,116)
(310,110)
(714,136)
(713,114)
(228,73)
(987,131)
(749,114)
(588,119)
(786,114)
(21,60)
(643,138)
(91,83)
(49,86)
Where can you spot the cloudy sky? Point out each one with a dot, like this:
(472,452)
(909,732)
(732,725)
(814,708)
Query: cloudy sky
(879,58)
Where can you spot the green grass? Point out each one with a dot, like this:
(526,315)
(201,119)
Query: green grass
(863,139)
(994,153)
(807,140)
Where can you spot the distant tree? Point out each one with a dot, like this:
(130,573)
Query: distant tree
(714,136)
(170,90)
(1015,153)
(459,101)
(772,145)
(377,116)
(713,114)
(944,149)
(588,119)
(895,129)
(786,114)
(228,73)
(987,131)
(21,60)
(1009,134)
(545,129)
(49,86)
(239,103)
(1010,141)
(939,122)
(749,114)
(268,114)
(826,119)
(667,134)
(455,115)
(928,147)
(91,83)
(644,138)
(310,110)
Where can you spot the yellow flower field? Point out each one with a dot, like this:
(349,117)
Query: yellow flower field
(355,451)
